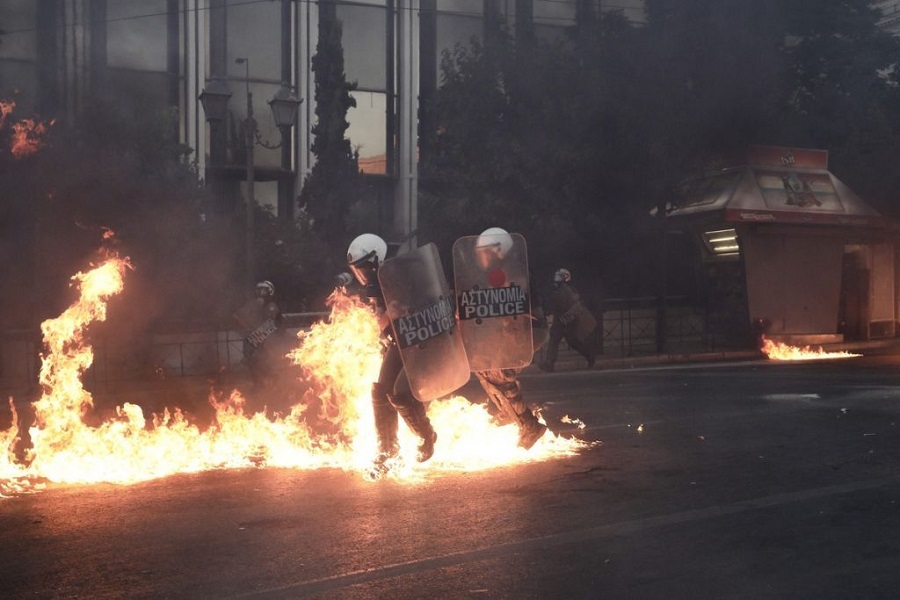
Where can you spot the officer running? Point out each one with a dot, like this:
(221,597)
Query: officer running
(391,395)
(495,313)
(572,321)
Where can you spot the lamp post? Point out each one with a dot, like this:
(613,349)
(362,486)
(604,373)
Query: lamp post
(284,107)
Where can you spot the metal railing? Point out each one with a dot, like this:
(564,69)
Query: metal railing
(627,327)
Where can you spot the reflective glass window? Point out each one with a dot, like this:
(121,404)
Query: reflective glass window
(254,32)
(368,131)
(136,35)
(18,50)
(262,113)
(468,8)
(364,40)
(452,30)
(554,13)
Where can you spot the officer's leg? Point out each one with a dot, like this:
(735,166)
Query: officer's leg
(386,420)
(413,413)
(503,388)
(552,351)
(585,346)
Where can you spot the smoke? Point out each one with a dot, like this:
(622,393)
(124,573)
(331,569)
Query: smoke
(126,176)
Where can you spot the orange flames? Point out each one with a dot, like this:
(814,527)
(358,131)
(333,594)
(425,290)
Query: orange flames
(5,109)
(780,351)
(27,134)
(332,426)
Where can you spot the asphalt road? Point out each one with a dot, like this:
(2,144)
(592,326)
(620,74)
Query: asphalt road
(741,480)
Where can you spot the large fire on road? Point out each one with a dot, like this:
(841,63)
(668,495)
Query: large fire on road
(340,358)
(780,351)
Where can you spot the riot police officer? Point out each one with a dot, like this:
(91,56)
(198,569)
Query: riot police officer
(391,395)
(572,321)
(502,384)
(260,320)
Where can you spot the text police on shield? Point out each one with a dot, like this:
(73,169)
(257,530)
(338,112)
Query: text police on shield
(425,324)
(493,302)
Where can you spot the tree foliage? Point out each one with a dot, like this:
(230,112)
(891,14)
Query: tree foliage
(573,142)
(334,182)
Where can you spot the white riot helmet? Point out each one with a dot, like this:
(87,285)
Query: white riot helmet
(365,255)
(562,276)
(492,246)
(265,289)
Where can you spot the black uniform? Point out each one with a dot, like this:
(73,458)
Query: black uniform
(391,396)
(571,321)
(505,392)
(261,323)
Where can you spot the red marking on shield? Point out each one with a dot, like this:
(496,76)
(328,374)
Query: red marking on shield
(497,278)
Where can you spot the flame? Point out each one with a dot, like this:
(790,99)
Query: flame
(332,425)
(780,351)
(28,137)
(6,107)
(27,134)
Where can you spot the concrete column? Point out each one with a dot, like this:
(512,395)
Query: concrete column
(307,19)
(406,190)
(195,20)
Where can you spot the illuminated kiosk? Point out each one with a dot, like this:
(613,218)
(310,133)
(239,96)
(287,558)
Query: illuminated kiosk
(815,262)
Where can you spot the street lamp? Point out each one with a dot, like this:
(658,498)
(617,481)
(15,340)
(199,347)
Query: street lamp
(214,99)
(284,105)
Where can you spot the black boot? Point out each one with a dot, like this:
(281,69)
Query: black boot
(530,429)
(386,424)
(413,412)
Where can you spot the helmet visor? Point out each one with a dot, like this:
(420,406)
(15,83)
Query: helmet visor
(366,273)
(488,255)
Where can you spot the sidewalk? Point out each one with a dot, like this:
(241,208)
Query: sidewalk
(570,360)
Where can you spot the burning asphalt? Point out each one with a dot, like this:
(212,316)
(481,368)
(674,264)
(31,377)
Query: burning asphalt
(331,426)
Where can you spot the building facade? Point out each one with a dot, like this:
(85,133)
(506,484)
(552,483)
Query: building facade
(56,56)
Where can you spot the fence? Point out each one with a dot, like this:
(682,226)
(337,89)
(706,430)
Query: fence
(629,327)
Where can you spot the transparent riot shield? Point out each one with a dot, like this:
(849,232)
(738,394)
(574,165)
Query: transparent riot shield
(493,302)
(420,307)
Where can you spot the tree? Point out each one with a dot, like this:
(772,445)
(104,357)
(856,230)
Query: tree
(334,182)
(843,92)
(574,143)
(794,73)
(527,138)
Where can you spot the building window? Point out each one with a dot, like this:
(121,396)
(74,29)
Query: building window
(367,131)
(136,35)
(458,21)
(365,34)
(254,32)
(365,45)
(18,52)
(137,43)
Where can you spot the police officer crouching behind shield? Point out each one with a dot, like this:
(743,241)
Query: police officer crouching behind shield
(391,395)
(502,384)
